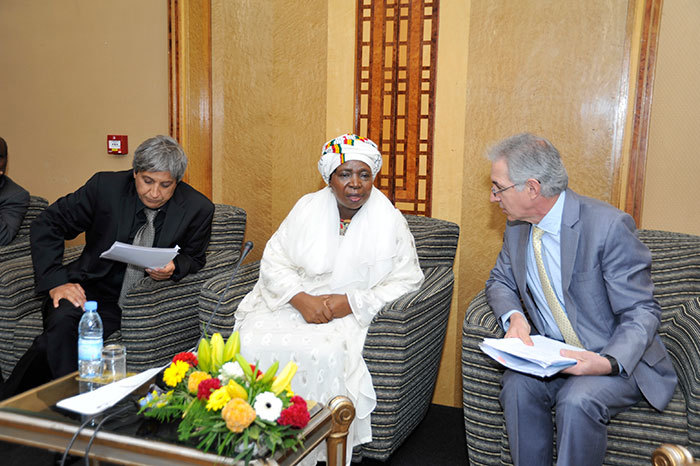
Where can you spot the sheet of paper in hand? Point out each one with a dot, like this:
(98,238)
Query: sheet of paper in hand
(542,359)
(151,258)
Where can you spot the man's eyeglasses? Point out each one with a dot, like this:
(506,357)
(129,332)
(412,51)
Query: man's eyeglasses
(496,192)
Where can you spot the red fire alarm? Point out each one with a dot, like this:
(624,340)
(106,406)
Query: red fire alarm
(117,145)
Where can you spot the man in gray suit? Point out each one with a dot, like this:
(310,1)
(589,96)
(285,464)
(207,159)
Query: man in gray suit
(583,277)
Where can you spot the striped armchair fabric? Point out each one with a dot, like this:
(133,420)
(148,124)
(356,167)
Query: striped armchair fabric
(159,319)
(632,435)
(20,308)
(403,344)
(20,245)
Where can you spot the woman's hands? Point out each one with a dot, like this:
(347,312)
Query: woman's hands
(321,309)
(312,308)
(339,305)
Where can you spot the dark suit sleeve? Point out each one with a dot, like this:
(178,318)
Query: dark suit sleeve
(64,219)
(14,202)
(192,255)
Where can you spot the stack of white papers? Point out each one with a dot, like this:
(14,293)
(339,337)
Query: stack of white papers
(148,258)
(541,359)
(96,401)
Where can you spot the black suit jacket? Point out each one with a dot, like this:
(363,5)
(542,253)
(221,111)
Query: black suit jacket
(105,208)
(14,201)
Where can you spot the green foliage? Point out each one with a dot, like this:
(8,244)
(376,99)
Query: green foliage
(206,427)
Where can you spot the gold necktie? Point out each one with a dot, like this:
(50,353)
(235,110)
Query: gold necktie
(560,317)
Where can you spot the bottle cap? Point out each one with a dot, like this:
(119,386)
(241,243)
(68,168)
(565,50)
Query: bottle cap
(90,305)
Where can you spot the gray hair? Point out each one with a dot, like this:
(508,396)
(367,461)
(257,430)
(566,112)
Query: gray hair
(160,154)
(529,156)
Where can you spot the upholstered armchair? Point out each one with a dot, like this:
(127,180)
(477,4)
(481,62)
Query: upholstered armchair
(632,435)
(403,344)
(159,319)
(20,245)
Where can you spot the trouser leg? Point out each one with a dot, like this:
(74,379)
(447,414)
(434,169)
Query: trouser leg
(584,406)
(54,353)
(527,404)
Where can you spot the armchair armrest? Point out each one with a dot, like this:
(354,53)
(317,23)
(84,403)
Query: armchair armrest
(159,318)
(481,384)
(213,290)
(680,331)
(402,352)
(18,247)
(20,307)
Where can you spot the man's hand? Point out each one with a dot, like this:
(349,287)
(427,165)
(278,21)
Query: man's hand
(519,328)
(73,292)
(339,305)
(162,273)
(312,308)
(587,363)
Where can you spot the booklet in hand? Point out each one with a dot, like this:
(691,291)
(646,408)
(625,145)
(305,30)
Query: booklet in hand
(148,258)
(542,359)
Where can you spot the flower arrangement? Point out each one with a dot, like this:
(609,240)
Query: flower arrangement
(228,405)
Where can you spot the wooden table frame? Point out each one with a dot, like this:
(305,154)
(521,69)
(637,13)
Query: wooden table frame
(22,422)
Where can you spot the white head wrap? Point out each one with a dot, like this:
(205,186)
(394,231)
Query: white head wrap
(347,147)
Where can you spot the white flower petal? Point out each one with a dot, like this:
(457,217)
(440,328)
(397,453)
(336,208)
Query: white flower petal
(267,406)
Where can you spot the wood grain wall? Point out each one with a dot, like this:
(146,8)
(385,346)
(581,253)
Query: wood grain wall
(671,191)
(559,69)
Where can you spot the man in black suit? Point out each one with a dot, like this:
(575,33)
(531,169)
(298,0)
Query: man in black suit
(111,206)
(14,201)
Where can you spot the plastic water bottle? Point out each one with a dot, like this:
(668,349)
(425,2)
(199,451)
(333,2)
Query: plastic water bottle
(90,342)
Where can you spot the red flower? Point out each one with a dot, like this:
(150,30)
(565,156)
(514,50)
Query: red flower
(188,357)
(258,373)
(206,387)
(296,415)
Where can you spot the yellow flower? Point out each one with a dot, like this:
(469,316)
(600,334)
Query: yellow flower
(174,374)
(236,391)
(218,399)
(238,415)
(163,400)
(194,380)
(283,380)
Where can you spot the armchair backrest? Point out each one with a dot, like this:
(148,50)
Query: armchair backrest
(227,228)
(36,206)
(436,240)
(20,245)
(675,265)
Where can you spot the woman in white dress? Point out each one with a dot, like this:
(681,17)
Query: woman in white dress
(341,254)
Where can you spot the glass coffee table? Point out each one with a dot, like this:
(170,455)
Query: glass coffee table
(31,418)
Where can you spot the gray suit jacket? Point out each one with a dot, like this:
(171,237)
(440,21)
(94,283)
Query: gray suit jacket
(607,289)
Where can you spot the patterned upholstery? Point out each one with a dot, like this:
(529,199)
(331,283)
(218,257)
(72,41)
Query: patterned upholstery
(632,435)
(159,319)
(20,245)
(20,308)
(403,344)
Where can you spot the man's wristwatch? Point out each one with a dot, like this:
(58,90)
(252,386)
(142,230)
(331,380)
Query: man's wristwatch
(615,367)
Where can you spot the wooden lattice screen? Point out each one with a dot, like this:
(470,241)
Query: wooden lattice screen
(395,94)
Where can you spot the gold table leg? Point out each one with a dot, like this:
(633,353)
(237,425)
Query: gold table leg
(342,412)
(672,455)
